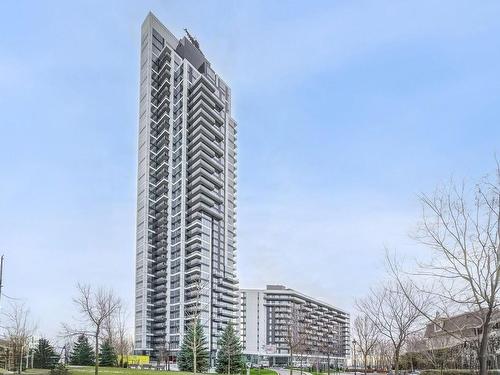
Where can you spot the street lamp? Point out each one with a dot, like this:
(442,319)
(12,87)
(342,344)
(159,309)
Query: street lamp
(354,354)
(468,357)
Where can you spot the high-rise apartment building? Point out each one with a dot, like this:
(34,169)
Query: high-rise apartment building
(272,318)
(186,195)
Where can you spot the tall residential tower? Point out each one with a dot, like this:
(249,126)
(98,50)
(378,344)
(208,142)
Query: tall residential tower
(186,195)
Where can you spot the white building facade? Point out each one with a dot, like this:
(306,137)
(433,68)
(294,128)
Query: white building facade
(186,195)
(268,316)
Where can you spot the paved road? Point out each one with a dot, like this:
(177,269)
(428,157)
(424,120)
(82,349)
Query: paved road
(285,371)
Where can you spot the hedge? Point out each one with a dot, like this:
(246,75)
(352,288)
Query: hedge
(456,372)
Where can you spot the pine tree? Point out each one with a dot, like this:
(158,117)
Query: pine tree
(60,369)
(44,355)
(107,355)
(193,356)
(229,357)
(82,354)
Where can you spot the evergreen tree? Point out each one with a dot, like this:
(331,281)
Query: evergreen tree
(107,355)
(44,355)
(82,354)
(193,356)
(229,357)
(60,369)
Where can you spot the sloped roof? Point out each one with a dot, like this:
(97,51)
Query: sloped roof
(461,325)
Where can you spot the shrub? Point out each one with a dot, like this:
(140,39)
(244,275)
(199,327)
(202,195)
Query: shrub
(456,372)
(60,369)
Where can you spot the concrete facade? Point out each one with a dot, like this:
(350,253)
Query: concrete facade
(186,195)
(268,315)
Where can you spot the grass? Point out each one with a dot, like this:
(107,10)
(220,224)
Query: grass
(87,370)
(36,371)
(76,370)
(265,371)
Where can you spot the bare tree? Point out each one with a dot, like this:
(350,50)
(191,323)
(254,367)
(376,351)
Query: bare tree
(394,316)
(462,228)
(165,353)
(330,344)
(295,331)
(197,293)
(439,355)
(19,329)
(366,334)
(384,354)
(95,306)
(415,344)
(118,334)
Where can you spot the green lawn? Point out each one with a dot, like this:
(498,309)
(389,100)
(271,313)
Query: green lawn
(77,370)
(80,370)
(34,371)
(255,371)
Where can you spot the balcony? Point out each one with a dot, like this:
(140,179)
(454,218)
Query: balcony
(200,189)
(194,231)
(200,146)
(200,198)
(201,95)
(208,157)
(200,163)
(205,113)
(200,172)
(207,209)
(215,147)
(204,84)
(200,122)
(196,262)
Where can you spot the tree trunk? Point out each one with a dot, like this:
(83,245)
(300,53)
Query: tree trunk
(194,359)
(396,361)
(97,352)
(364,360)
(328,364)
(20,367)
(483,346)
(291,361)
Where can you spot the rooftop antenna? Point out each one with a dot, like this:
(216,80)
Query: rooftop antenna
(192,39)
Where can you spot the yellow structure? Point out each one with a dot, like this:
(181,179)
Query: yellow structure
(134,359)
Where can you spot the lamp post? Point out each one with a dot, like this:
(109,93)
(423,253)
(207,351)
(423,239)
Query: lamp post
(354,354)
(468,358)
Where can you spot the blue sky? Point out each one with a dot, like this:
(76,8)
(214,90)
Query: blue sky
(346,111)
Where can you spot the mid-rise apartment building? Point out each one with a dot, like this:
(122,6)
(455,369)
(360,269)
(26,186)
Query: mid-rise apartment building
(272,318)
(186,195)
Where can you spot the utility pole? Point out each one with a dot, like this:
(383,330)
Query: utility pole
(354,355)
(1,276)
